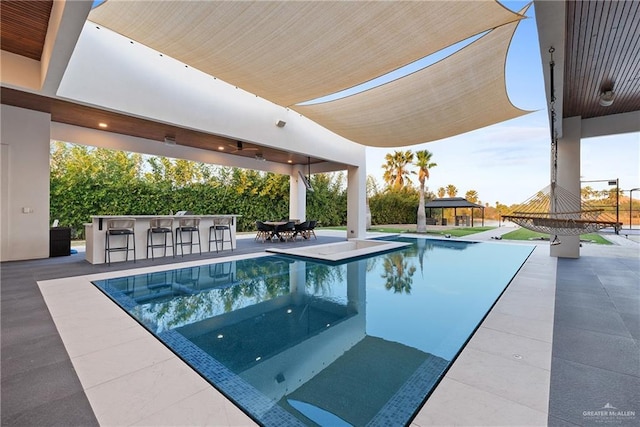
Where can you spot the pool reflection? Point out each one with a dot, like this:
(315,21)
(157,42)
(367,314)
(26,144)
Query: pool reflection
(293,341)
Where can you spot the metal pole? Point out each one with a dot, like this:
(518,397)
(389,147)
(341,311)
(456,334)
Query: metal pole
(631,206)
(617,205)
(617,184)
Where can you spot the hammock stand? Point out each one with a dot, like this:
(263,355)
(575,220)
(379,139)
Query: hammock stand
(555,210)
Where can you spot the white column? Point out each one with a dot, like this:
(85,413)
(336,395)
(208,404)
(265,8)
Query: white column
(297,194)
(569,179)
(356,202)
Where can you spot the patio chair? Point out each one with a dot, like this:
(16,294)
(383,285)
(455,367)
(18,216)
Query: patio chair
(312,226)
(287,231)
(302,230)
(264,231)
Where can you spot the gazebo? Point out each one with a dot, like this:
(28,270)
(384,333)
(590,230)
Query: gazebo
(455,203)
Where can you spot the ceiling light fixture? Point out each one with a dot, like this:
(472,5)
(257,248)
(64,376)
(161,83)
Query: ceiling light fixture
(606,98)
(102,125)
(170,140)
(281,123)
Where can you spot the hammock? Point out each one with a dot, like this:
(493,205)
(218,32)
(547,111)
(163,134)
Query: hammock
(555,210)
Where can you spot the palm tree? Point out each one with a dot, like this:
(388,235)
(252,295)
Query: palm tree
(395,169)
(424,163)
(398,274)
(441,192)
(452,190)
(471,196)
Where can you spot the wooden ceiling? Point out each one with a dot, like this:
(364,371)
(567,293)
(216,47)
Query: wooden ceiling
(602,52)
(89,117)
(23,26)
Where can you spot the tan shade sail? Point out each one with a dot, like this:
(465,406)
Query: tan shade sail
(462,92)
(294,51)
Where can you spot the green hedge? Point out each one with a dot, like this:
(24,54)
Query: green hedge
(93,181)
(394,207)
(89,181)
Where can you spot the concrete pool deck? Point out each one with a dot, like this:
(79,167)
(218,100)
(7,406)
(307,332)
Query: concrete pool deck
(504,376)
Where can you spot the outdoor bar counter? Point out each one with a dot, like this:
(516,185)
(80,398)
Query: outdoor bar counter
(95,233)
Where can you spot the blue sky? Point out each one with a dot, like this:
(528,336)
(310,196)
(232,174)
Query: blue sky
(510,161)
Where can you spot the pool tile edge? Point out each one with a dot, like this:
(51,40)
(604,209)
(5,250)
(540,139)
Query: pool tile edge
(442,409)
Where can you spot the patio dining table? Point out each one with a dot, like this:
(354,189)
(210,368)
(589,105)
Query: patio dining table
(276,225)
(276,228)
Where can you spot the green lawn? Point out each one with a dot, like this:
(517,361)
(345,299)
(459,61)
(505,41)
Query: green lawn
(524,234)
(390,230)
(461,232)
(456,232)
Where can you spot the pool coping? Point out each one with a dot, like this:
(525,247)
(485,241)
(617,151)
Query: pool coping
(332,252)
(155,386)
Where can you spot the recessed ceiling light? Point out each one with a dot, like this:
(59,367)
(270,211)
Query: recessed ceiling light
(102,125)
(289,161)
(606,98)
(221,148)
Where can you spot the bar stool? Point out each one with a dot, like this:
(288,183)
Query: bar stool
(188,225)
(162,226)
(220,225)
(120,227)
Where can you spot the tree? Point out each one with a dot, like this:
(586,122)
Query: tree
(452,190)
(395,169)
(372,189)
(397,273)
(95,181)
(587,192)
(441,192)
(424,163)
(472,196)
(501,209)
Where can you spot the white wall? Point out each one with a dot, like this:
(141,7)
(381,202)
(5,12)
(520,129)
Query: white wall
(108,70)
(24,225)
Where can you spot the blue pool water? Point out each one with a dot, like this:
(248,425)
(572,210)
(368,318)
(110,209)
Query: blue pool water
(296,342)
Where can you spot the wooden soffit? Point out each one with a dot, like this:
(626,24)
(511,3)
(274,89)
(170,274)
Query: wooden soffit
(23,26)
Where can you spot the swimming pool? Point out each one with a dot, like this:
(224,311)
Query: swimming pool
(297,342)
